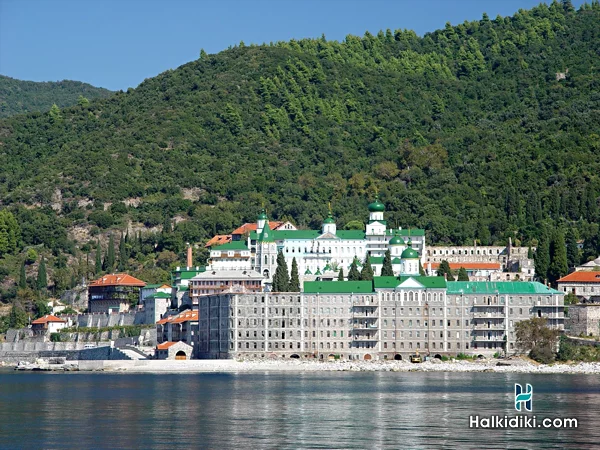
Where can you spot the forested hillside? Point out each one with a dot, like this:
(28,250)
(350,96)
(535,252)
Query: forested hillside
(17,96)
(466,132)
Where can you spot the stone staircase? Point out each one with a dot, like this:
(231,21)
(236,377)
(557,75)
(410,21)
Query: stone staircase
(133,353)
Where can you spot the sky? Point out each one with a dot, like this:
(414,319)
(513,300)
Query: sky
(116,44)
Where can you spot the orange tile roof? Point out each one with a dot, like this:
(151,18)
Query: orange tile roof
(118,279)
(48,318)
(248,227)
(185,316)
(469,266)
(219,239)
(581,276)
(165,345)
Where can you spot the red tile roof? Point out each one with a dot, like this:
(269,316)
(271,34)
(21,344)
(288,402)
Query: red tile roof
(582,276)
(219,239)
(48,318)
(248,227)
(118,279)
(185,316)
(469,266)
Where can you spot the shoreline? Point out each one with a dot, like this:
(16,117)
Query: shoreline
(245,366)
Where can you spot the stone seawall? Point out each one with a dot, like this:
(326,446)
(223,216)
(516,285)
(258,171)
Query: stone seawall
(14,352)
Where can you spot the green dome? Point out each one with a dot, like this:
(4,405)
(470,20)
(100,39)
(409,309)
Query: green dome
(329,219)
(396,240)
(318,272)
(409,253)
(308,272)
(376,206)
(262,215)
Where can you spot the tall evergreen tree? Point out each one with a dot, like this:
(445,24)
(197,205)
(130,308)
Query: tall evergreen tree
(386,269)
(17,318)
(98,265)
(294,277)
(123,254)
(22,277)
(281,279)
(572,250)
(341,274)
(542,256)
(462,275)
(366,273)
(421,270)
(42,278)
(558,257)
(110,254)
(444,270)
(354,274)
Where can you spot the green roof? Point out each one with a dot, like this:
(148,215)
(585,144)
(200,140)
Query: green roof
(396,240)
(393,282)
(233,245)
(376,259)
(329,218)
(499,287)
(338,287)
(262,215)
(407,232)
(183,287)
(188,274)
(152,286)
(160,295)
(280,235)
(266,235)
(307,272)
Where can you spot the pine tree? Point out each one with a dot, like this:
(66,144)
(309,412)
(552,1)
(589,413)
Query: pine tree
(462,275)
(42,278)
(294,277)
(386,269)
(341,274)
(558,257)
(110,254)
(98,267)
(22,277)
(572,250)
(354,274)
(281,279)
(366,273)
(542,257)
(529,252)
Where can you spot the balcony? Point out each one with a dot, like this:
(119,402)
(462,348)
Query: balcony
(485,338)
(364,337)
(489,315)
(365,326)
(491,327)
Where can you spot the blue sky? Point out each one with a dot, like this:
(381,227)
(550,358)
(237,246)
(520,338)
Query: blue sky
(116,44)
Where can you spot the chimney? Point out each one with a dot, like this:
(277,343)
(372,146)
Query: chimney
(189,256)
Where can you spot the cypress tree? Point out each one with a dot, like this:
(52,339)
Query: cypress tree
(22,277)
(421,270)
(542,256)
(366,273)
(110,254)
(462,275)
(529,252)
(281,279)
(444,270)
(386,269)
(354,274)
(42,278)
(558,257)
(294,277)
(123,254)
(98,267)
(572,250)
(341,274)
(17,317)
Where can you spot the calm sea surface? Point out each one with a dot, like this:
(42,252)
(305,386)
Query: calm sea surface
(288,410)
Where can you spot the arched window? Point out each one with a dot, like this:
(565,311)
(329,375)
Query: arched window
(410,296)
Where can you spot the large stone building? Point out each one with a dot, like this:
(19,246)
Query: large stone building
(117,292)
(389,318)
(584,319)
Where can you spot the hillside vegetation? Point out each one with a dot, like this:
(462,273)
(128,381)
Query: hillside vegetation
(18,97)
(465,132)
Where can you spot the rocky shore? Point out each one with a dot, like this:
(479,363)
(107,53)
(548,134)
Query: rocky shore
(515,365)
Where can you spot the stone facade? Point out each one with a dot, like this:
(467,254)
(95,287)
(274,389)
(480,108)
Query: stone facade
(391,322)
(584,320)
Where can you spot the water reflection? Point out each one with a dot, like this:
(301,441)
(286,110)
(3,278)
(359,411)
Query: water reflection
(287,410)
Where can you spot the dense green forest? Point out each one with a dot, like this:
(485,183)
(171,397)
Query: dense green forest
(466,132)
(18,97)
